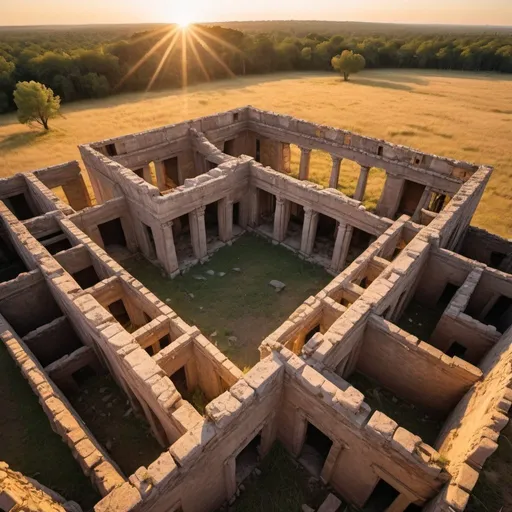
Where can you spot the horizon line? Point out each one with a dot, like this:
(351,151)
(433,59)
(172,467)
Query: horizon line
(107,23)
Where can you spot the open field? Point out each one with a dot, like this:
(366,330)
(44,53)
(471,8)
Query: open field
(240,303)
(461,115)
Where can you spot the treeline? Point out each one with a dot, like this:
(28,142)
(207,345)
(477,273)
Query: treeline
(88,63)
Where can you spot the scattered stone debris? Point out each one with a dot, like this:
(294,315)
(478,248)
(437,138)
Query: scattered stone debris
(278,285)
(221,274)
(237,269)
(213,334)
(200,278)
(127,413)
(191,295)
(210,272)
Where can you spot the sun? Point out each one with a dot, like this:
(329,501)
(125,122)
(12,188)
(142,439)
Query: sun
(184,23)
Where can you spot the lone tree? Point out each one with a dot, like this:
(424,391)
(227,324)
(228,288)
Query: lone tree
(36,103)
(348,63)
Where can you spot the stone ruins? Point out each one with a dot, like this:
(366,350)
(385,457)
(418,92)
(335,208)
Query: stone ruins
(178,193)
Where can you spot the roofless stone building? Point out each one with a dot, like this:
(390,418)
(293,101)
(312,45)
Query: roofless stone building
(178,193)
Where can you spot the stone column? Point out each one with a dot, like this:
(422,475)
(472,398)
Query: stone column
(400,504)
(225,219)
(391,196)
(341,246)
(170,261)
(230,477)
(330,462)
(198,232)
(285,157)
(423,203)
(146,174)
(335,173)
(251,200)
(160,175)
(361,184)
(76,193)
(305,157)
(309,231)
(280,219)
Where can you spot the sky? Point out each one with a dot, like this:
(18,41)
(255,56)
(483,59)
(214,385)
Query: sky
(55,12)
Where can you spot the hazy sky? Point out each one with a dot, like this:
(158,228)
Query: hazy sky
(51,12)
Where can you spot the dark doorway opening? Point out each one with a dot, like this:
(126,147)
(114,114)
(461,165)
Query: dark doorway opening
(11,265)
(119,312)
(172,177)
(83,375)
(179,379)
(497,259)
(236,214)
(312,332)
(360,241)
(448,293)
(139,172)
(258,150)
(411,196)
(500,314)
(112,233)
(151,241)
(315,450)
(229,147)
(381,498)
(456,350)
(111,149)
(165,341)
(210,165)
(248,459)
(18,205)
(87,277)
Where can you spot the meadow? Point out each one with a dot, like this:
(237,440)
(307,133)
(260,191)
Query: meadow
(461,115)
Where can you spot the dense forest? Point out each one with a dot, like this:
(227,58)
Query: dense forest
(92,62)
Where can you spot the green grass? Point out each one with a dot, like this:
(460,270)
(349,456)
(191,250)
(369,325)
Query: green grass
(28,444)
(127,437)
(239,304)
(283,486)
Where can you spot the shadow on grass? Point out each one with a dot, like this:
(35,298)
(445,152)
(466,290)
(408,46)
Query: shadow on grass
(20,139)
(383,84)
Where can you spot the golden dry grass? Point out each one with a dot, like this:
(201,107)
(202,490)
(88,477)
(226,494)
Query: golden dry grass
(461,115)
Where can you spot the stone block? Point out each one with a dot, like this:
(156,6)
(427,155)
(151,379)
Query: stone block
(381,426)
(331,504)
(223,409)
(266,376)
(124,498)
(163,470)
(404,441)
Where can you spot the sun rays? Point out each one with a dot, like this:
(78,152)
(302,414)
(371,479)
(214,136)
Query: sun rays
(183,38)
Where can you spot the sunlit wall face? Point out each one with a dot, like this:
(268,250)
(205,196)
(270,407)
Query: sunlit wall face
(50,12)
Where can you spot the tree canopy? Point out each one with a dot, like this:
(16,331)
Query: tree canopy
(348,63)
(92,62)
(36,103)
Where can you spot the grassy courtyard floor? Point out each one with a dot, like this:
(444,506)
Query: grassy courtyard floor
(28,444)
(240,304)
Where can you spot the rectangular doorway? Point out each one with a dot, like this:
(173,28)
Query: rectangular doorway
(315,450)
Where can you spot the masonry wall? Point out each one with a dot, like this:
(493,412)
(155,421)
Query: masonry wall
(442,380)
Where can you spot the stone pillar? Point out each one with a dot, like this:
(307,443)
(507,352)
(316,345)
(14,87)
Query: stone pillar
(170,259)
(423,203)
(251,201)
(146,174)
(225,219)
(335,173)
(400,504)
(305,157)
(198,232)
(361,184)
(230,477)
(309,231)
(160,175)
(330,462)
(76,193)
(281,217)
(299,434)
(341,246)
(391,196)
(97,188)
(286,156)
(268,435)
